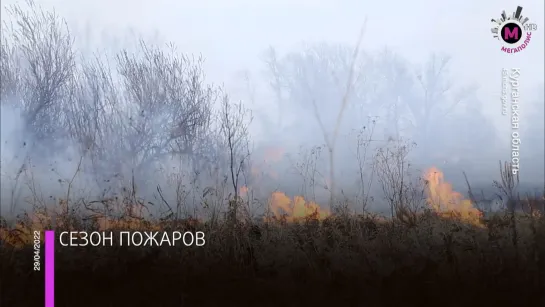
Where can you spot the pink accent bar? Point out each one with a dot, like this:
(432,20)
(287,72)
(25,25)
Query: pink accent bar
(49,268)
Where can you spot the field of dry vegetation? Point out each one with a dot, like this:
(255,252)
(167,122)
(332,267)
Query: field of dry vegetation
(437,256)
(434,247)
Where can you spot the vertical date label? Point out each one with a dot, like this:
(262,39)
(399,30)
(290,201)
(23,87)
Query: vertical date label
(36,254)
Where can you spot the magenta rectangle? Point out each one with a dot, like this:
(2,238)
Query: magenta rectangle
(49,268)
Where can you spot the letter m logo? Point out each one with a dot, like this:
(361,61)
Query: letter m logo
(511,33)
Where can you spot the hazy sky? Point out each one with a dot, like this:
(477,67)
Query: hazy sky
(232,34)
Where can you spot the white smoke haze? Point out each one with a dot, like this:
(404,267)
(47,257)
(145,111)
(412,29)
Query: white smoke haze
(247,102)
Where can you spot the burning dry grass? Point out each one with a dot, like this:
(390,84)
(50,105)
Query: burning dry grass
(284,208)
(451,256)
(334,260)
(446,208)
(448,203)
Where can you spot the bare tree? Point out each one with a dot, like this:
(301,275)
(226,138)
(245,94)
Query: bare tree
(93,116)
(153,105)
(437,99)
(363,144)
(276,83)
(311,79)
(234,121)
(168,100)
(308,86)
(37,63)
(10,72)
(387,89)
(41,42)
(421,104)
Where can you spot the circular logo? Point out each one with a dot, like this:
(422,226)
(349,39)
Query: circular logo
(511,32)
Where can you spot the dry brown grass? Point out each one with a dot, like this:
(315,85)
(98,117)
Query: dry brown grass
(349,260)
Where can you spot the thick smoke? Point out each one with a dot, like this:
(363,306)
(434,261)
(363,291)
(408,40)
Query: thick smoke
(146,123)
(30,173)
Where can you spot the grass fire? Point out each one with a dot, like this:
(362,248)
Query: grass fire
(329,173)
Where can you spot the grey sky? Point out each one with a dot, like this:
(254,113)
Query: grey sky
(232,34)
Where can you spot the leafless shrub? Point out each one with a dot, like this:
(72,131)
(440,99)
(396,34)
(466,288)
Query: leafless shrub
(162,108)
(401,192)
(306,166)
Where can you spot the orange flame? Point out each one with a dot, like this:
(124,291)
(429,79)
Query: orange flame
(282,206)
(449,203)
